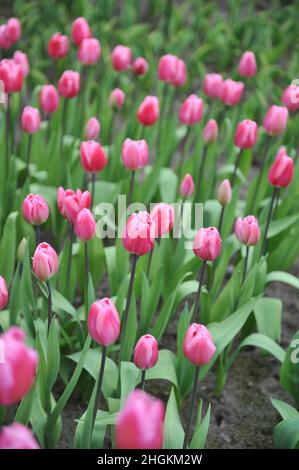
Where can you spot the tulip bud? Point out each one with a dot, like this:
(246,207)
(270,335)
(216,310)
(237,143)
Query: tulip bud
(35,209)
(17,436)
(134,153)
(121,58)
(92,128)
(45,262)
(191,110)
(139,425)
(89,51)
(22,59)
(247,230)
(246,134)
(187,186)
(13,30)
(225,193)
(103,322)
(3,294)
(290,97)
(18,370)
(30,120)
(148,111)
(146,352)
(210,132)
(207,244)
(49,99)
(140,66)
(58,46)
(276,120)
(80,30)
(139,233)
(11,75)
(212,85)
(247,64)
(172,70)
(69,84)
(163,217)
(22,250)
(231,92)
(70,203)
(4,40)
(117,98)
(282,171)
(93,156)
(198,345)
(85,226)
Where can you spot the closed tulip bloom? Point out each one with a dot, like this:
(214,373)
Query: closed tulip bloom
(198,345)
(187,186)
(172,70)
(30,120)
(163,216)
(92,128)
(210,132)
(13,30)
(290,97)
(146,352)
(246,134)
(121,58)
(212,85)
(276,120)
(17,436)
(93,156)
(191,110)
(45,262)
(3,294)
(89,51)
(18,370)
(139,233)
(35,209)
(148,111)
(104,322)
(207,244)
(21,58)
(282,171)
(247,230)
(49,99)
(140,66)
(69,84)
(85,225)
(231,92)
(80,30)
(58,46)
(134,153)
(247,64)
(11,75)
(70,203)
(139,425)
(4,39)
(225,193)
(117,98)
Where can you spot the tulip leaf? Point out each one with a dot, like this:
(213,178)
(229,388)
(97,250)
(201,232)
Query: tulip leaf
(173,429)
(201,432)
(281,276)
(289,371)
(285,410)
(268,312)
(286,433)
(8,248)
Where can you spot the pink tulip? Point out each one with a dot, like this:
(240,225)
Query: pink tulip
(92,128)
(282,171)
(225,193)
(139,425)
(191,110)
(18,370)
(139,233)
(80,30)
(117,98)
(4,39)
(231,92)
(13,30)
(17,436)
(172,70)
(207,244)
(163,217)
(30,120)
(121,58)
(35,209)
(89,51)
(21,58)
(58,46)
(69,84)
(247,64)
(3,295)
(148,111)
(70,203)
(187,186)
(134,153)
(45,262)
(198,345)
(246,134)
(146,352)
(104,322)
(85,225)
(276,120)
(140,66)
(290,97)
(210,132)
(247,230)
(11,75)
(93,156)
(212,85)
(49,99)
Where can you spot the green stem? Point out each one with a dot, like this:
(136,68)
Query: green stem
(264,245)
(7,137)
(221,219)
(69,261)
(131,188)
(37,234)
(49,305)
(245,264)
(191,408)
(93,181)
(237,162)
(28,153)
(259,178)
(200,173)
(142,382)
(200,283)
(99,388)
(86,274)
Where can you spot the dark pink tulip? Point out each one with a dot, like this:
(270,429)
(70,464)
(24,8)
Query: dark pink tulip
(3,296)
(18,370)
(92,128)
(191,110)
(21,58)
(247,230)
(69,84)
(246,134)
(49,99)
(35,209)
(4,39)
(146,352)
(139,425)
(70,203)
(276,120)
(231,92)
(139,233)
(140,66)
(282,171)
(187,186)
(89,51)
(134,153)
(148,111)
(198,345)
(207,244)
(93,156)
(30,120)
(80,30)
(210,132)
(172,70)
(163,216)
(17,436)
(121,58)
(58,46)
(11,75)
(104,322)
(13,30)
(117,98)
(85,225)
(247,64)
(225,193)
(212,85)
(45,262)
(290,97)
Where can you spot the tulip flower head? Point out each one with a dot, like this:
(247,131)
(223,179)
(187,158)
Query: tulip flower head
(163,217)
(3,294)
(140,66)
(148,111)
(246,134)
(10,33)
(225,193)
(21,58)
(45,262)
(35,209)
(93,156)
(276,120)
(70,203)
(146,352)
(121,58)
(207,244)
(231,92)
(191,110)
(11,75)
(212,85)
(172,70)
(17,436)
(247,65)
(30,120)
(198,345)
(290,97)
(92,128)
(49,99)
(187,186)
(69,84)
(210,132)
(80,30)
(89,51)
(139,233)
(247,230)
(104,322)
(58,46)
(282,171)
(85,225)
(134,154)
(117,98)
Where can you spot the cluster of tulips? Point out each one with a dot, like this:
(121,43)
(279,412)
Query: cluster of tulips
(105,321)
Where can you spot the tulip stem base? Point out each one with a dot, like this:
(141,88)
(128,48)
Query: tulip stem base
(142,382)
(28,153)
(131,188)
(49,305)
(7,140)
(264,245)
(245,264)
(99,387)
(200,283)
(86,275)
(191,409)
(93,182)
(221,219)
